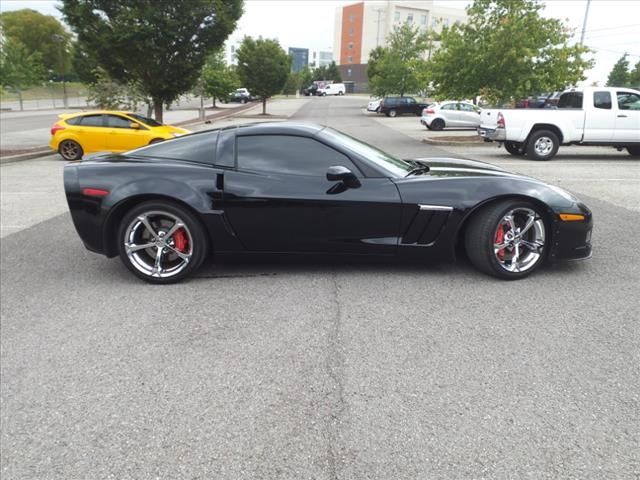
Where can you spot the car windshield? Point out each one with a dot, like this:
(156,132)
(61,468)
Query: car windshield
(394,166)
(146,120)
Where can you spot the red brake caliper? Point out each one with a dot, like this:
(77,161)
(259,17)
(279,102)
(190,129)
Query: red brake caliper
(498,240)
(181,240)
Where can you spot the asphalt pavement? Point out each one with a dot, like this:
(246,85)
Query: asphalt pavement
(305,370)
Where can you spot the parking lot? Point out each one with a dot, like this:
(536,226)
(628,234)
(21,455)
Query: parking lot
(306,370)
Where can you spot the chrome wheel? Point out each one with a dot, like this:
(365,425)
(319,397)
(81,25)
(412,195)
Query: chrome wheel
(519,240)
(543,146)
(158,244)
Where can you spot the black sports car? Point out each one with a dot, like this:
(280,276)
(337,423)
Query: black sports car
(308,189)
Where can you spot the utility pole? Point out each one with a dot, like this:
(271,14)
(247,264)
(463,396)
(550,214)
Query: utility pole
(584,23)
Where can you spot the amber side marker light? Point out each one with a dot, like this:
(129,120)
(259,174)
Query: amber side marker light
(571,217)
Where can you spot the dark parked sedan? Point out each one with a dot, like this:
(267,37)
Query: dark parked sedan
(307,189)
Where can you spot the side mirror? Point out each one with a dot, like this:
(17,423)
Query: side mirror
(134,125)
(342,174)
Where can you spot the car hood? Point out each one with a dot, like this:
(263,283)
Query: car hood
(457,167)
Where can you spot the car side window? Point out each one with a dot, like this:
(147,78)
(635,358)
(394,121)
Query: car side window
(570,100)
(602,100)
(448,106)
(289,155)
(628,101)
(411,101)
(115,121)
(91,121)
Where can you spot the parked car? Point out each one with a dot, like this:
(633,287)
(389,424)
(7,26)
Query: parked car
(374,105)
(332,89)
(543,100)
(272,188)
(602,116)
(78,134)
(311,90)
(450,114)
(392,106)
(241,95)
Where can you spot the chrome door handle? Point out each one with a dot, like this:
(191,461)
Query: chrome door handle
(622,116)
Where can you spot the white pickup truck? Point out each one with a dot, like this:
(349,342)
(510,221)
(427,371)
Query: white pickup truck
(585,116)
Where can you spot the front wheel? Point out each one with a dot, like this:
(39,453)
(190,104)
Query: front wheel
(542,145)
(340,93)
(634,151)
(507,240)
(70,150)
(161,242)
(514,148)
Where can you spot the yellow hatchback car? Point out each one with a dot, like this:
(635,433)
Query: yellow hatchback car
(77,134)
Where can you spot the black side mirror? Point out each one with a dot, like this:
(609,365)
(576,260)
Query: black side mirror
(342,174)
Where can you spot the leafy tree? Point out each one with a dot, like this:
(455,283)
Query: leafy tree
(398,66)
(218,78)
(293,84)
(375,56)
(160,45)
(506,50)
(634,76)
(619,75)
(333,73)
(263,68)
(306,76)
(19,68)
(41,34)
(110,94)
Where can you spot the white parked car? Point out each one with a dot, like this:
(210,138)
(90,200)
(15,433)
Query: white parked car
(451,114)
(332,89)
(374,105)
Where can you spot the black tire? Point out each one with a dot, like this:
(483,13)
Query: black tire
(483,230)
(437,124)
(514,148)
(392,113)
(162,216)
(634,151)
(427,125)
(243,101)
(70,150)
(156,140)
(340,93)
(542,145)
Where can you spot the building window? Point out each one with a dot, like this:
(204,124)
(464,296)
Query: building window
(351,31)
(352,18)
(349,59)
(397,16)
(423,19)
(446,22)
(348,72)
(350,46)
(410,18)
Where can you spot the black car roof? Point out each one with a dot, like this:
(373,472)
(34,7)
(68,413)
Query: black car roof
(274,128)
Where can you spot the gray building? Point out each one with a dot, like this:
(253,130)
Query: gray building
(299,58)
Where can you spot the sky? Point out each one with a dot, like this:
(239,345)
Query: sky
(613,26)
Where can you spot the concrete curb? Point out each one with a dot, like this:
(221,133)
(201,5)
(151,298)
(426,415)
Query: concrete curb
(469,141)
(26,156)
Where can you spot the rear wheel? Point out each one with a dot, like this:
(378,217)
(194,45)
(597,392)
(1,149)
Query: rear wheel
(514,148)
(634,151)
(507,240)
(70,150)
(340,93)
(542,145)
(392,113)
(161,242)
(437,124)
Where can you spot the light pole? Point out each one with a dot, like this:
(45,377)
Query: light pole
(61,40)
(584,23)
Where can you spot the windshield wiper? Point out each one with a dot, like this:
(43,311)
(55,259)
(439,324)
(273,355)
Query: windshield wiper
(418,169)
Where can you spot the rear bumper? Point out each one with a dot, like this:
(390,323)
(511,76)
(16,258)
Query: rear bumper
(492,134)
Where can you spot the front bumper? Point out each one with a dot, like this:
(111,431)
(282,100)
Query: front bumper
(492,134)
(572,240)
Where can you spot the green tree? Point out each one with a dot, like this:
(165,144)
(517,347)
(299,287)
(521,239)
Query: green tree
(306,77)
(218,78)
(19,68)
(634,76)
(41,34)
(293,83)
(160,45)
(619,75)
(398,66)
(375,56)
(506,50)
(263,68)
(333,73)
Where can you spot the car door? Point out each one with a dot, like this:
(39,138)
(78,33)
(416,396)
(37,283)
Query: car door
(122,137)
(91,133)
(627,122)
(599,120)
(278,199)
(411,105)
(469,115)
(450,113)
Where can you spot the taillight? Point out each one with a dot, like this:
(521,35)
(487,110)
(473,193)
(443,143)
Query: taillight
(500,123)
(429,111)
(95,192)
(55,128)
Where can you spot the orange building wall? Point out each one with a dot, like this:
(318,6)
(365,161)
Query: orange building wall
(352,21)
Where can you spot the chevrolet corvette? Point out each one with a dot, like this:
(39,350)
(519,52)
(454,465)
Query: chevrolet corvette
(305,189)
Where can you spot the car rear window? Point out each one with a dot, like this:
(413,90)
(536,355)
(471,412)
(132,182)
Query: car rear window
(570,100)
(199,148)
